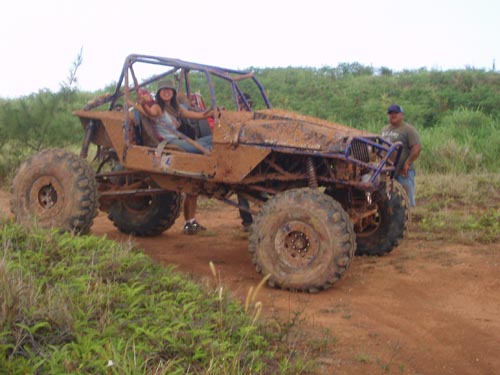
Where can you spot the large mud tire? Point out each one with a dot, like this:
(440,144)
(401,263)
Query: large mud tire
(390,225)
(304,239)
(55,188)
(146,216)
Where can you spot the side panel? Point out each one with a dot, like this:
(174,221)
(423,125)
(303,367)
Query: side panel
(225,164)
(171,162)
(234,162)
(110,132)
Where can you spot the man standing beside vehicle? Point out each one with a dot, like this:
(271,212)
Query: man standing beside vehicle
(400,130)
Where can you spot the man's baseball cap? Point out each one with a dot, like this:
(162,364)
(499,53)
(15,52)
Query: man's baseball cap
(395,109)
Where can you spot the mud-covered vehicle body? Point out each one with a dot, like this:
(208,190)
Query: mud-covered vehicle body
(319,191)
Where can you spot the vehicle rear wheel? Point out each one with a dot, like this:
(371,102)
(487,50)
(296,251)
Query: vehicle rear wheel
(304,239)
(146,215)
(55,188)
(387,227)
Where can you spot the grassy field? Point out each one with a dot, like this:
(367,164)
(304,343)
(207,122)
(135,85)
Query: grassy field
(461,208)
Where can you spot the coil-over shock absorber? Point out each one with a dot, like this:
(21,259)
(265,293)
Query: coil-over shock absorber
(311,174)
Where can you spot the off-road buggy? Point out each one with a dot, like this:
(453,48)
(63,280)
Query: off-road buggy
(319,191)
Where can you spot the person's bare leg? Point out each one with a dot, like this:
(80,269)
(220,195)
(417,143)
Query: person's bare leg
(190,204)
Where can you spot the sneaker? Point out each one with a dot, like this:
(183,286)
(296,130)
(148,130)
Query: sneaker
(193,228)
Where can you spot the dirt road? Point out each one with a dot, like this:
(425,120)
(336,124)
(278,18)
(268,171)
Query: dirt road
(427,308)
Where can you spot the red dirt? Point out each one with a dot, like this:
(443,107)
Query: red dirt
(427,308)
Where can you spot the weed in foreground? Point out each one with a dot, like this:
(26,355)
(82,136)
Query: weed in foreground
(89,305)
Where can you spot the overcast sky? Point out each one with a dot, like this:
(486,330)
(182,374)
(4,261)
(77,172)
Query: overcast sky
(41,39)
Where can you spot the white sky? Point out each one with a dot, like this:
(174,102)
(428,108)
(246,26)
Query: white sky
(40,39)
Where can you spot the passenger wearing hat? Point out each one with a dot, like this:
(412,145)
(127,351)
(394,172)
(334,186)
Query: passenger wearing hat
(168,113)
(400,130)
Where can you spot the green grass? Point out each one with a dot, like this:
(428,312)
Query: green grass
(92,306)
(461,208)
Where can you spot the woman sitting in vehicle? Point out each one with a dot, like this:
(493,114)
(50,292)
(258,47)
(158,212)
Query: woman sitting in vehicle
(167,112)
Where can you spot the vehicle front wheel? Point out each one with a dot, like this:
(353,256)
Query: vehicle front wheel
(304,239)
(388,225)
(55,188)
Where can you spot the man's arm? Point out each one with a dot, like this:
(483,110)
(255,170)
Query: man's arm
(414,153)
